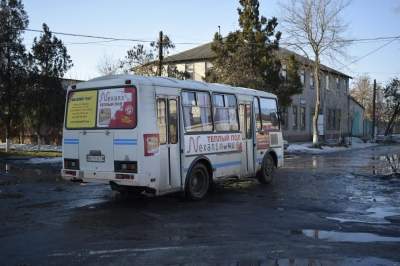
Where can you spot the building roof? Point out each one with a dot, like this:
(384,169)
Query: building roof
(204,52)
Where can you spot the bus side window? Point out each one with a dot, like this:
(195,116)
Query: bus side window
(242,120)
(225,112)
(161,120)
(269,114)
(197,111)
(172,121)
(257,113)
(248,121)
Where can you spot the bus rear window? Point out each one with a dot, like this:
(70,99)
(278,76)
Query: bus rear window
(104,108)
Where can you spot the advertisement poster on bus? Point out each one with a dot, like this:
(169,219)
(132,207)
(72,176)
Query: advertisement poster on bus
(117,108)
(216,143)
(81,112)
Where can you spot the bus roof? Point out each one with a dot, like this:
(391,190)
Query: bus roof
(116,80)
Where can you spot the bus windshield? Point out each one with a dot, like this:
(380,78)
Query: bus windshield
(101,108)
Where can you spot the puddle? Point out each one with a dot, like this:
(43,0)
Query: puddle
(4,168)
(336,236)
(386,165)
(373,215)
(19,172)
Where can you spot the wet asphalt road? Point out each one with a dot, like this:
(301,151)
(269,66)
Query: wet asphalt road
(335,209)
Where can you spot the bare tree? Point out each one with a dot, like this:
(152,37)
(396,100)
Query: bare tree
(392,97)
(362,92)
(315,28)
(107,65)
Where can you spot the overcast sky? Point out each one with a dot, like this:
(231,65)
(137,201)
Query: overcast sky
(196,22)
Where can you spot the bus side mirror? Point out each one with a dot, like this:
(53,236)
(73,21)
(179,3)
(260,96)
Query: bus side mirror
(276,118)
(279,114)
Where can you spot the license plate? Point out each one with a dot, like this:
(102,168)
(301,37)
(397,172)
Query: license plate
(96,158)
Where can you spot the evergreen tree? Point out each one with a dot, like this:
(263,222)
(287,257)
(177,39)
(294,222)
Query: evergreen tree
(13,59)
(248,57)
(49,62)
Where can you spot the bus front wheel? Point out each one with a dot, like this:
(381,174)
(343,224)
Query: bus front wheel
(266,174)
(197,183)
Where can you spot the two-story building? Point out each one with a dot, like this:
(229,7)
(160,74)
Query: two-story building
(334,119)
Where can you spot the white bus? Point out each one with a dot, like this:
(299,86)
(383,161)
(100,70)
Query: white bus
(160,135)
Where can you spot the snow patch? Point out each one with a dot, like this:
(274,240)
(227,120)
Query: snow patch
(32,147)
(357,143)
(44,160)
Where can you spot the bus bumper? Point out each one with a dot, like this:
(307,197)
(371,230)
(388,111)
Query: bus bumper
(123,179)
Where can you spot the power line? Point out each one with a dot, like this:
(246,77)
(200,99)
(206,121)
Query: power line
(380,38)
(103,37)
(113,39)
(371,52)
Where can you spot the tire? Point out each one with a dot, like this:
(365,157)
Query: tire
(197,182)
(268,167)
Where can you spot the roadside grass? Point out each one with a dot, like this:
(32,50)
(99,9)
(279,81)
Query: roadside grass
(41,154)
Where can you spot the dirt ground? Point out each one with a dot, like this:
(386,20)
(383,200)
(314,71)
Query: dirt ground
(334,209)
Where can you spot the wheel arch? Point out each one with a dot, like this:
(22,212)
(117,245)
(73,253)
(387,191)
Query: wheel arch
(204,160)
(273,155)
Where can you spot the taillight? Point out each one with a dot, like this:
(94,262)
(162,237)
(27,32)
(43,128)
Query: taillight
(125,166)
(71,164)
(151,144)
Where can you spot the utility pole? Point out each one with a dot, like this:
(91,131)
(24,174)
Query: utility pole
(373,110)
(160,54)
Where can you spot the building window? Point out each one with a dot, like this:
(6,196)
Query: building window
(294,124)
(196,111)
(284,72)
(302,76)
(338,120)
(302,118)
(327,82)
(189,69)
(285,117)
(208,66)
(225,115)
(311,80)
(334,119)
(331,119)
(337,83)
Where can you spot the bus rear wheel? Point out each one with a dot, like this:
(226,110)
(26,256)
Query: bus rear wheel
(266,174)
(197,183)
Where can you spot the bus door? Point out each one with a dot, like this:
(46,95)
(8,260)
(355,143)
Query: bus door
(245,115)
(168,124)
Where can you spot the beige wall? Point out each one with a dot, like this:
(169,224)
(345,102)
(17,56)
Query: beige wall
(199,69)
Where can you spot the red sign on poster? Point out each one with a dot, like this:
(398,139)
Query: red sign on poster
(117,108)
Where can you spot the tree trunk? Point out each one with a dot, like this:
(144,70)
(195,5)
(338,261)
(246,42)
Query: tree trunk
(317,101)
(391,122)
(38,139)
(8,128)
